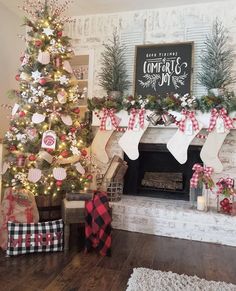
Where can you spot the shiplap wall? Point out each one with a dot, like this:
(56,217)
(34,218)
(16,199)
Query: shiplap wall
(172,24)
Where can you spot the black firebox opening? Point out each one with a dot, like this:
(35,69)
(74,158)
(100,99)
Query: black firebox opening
(156,172)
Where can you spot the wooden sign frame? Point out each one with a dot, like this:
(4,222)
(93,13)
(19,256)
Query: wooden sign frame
(163,68)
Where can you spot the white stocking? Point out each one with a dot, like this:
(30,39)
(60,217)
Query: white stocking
(210,150)
(130,140)
(179,143)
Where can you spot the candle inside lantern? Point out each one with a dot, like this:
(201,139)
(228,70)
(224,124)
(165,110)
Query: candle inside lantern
(201,203)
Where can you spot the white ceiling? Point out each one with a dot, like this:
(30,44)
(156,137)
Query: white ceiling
(83,7)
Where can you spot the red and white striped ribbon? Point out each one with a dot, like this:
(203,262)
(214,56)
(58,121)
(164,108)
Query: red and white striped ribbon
(133,113)
(200,170)
(108,113)
(191,115)
(228,122)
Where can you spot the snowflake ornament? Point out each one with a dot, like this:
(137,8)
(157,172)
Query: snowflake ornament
(36,75)
(48,31)
(63,80)
(75,151)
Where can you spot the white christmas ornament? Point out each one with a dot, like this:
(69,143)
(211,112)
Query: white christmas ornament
(38,118)
(25,60)
(80,168)
(67,67)
(63,80)
(15,109)
(34,175)
(66,119)
(75,151)
(46,156)
(48,31)
(5,167)
(44,57)
(59,173)
(62,96)
(49,140)
(36,75)
(24,76)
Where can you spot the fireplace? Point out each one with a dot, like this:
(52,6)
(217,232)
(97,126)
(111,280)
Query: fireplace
(156,173)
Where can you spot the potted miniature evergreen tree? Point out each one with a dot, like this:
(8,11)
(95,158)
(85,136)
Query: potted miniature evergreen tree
(216,60)
(113,76)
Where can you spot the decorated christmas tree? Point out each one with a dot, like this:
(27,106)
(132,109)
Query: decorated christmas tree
(46,141)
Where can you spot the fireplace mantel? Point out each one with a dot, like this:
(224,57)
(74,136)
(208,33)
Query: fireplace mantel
(204,118)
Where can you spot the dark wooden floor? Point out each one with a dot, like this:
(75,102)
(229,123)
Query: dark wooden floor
(78,271)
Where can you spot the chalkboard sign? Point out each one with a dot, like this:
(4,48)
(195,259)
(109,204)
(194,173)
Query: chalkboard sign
(163,68)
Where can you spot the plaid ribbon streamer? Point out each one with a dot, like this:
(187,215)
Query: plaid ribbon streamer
(228,122)
(188,114)
(199,170)
(133,113)
(224,183)
(108,113)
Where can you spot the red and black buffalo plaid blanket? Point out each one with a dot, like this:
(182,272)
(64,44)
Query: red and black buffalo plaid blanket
(98,224)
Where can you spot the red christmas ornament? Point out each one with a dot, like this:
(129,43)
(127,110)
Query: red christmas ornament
(226,201)
(22,113)
(63,137)
(38,43)
(76,110)
(17,77)
(84,153)
(73,129)
(90,177)
(49,150)
(58,183)
(12,148)
(64,154)
(42,81)
(32,158)
(59,33)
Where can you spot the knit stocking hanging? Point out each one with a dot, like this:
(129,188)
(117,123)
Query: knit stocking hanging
(130,139)
(189,127)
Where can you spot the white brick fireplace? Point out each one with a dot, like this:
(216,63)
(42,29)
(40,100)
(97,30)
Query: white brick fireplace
(174,218)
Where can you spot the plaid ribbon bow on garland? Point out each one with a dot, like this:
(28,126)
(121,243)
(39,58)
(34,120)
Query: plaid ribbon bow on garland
(108,113)
(228,122)
(201,175)
(133,113)
(191,115)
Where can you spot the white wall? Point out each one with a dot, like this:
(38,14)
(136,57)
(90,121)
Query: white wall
(172,24)
(10,51)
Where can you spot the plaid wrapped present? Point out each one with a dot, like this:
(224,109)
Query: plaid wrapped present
(34,237)
(98,224)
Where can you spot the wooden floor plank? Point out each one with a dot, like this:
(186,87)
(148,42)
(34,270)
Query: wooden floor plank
(76,270)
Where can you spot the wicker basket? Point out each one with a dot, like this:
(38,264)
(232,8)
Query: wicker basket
(114,189)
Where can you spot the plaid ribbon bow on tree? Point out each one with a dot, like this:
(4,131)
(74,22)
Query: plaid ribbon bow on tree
(108,113)
(228,122)
(191,115)
(133,113)
(201,175)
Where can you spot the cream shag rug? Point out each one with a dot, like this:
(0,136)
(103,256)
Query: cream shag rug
(144,279)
